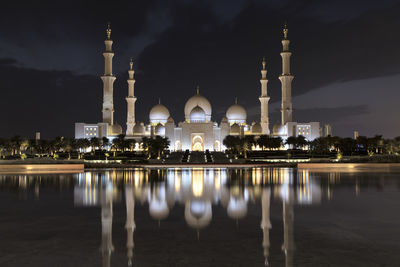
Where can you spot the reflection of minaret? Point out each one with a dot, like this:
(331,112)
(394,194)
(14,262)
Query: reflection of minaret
(106,226)
(266,222)
(288,230)
(130,222)
(286,80)
(264,99)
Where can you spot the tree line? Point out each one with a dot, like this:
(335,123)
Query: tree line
(322,146)
(18,147)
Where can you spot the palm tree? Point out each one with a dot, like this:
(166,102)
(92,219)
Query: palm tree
(232,143)
(105,142)
(119,142)
(94,143)
(292,141)
(301,141)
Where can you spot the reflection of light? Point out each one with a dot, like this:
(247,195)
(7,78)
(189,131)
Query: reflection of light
(217,180)
(197,183)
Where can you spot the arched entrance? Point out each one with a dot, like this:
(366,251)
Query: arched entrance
(197,142)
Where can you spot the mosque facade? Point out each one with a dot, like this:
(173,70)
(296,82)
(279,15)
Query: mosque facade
(198,132)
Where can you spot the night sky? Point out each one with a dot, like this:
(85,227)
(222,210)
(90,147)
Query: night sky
(346,60)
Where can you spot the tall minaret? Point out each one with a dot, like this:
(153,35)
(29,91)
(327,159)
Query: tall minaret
(286,80)
(264,99)
(130,99)
(108,81)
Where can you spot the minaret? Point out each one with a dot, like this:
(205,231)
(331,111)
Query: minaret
(264,99)
(130,100)
(108,81)
(286,80)
(130,222)
(266,222)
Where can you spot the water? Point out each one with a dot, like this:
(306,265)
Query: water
(201,217)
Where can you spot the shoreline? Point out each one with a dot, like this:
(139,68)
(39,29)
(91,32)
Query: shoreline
(22,167)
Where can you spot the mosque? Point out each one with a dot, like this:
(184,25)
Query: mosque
(198,132)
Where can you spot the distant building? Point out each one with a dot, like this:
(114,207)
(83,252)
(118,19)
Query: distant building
(356,135)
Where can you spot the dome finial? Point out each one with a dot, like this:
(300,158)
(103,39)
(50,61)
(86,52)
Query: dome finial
(159,100)
(131,64)
(264,63)
(285,30)
(108,31)
(198,90)
(236,100)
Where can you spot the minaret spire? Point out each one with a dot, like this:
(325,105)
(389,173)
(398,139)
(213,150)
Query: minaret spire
(286,79)
(198,90)
(131,99)
(264,99)
(108,80)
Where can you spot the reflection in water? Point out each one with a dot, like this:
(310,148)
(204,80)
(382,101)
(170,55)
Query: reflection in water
(197,190)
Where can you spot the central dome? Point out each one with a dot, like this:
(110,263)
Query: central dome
(200,101)
(159,114)
(197,115)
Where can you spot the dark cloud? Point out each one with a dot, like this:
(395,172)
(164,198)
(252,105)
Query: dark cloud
(178,45)
(46,101)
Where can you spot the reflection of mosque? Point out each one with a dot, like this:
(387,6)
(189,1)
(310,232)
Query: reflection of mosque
(198,190)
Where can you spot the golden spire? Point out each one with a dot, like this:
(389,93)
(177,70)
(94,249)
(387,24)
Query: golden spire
(264,63)
(131,64)
(235,99)
(159,100)
(108,31)
(198,89)
(285,30)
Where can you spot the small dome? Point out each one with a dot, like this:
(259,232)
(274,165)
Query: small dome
(158,209)
(236,114)
(197,115)
(116,129)
(170,120)
(224,120)
(278,129)
(138,128)
(256,128)
(160,129)
(235,129)
(159,114)
(198,100)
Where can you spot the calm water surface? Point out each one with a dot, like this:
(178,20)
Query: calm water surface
(201,217)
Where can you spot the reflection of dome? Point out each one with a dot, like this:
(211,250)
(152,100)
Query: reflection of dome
(138,128)
(236,114)
(160,129)
(116,129)
(197,115)
(159,114)
(202,102)
(198,214)
(158,209)
(237,208)
(235,129)
(256,128)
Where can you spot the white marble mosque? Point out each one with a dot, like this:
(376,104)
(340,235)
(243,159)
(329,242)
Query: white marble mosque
(198,190)
(198,132)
